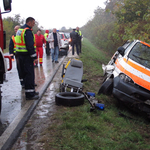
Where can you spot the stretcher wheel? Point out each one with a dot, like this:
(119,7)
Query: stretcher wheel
(69,99)
(61,88)
(92,109)
(106,87)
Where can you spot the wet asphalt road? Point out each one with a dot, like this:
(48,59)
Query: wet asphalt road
(13,96)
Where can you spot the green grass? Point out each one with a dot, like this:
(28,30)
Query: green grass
(76,128)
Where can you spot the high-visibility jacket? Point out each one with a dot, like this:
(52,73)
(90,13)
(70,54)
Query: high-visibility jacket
(20,41)
(79,32)
(14,41)
(46,35)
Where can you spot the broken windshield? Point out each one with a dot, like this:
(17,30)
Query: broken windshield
(140,53)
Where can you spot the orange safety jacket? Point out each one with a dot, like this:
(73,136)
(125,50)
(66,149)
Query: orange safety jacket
(14,41)
(20,41)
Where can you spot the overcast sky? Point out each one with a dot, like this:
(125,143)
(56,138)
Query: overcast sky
(56,13)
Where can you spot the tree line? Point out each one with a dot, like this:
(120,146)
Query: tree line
(121,20)
(10,22)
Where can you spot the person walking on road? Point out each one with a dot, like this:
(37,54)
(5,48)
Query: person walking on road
(79,39)
(74,41)
(39,40)
(12,51)
(26,51)
(47,43)
(55,43)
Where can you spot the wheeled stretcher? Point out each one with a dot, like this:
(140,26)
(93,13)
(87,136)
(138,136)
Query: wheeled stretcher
(72,76)
(71,87)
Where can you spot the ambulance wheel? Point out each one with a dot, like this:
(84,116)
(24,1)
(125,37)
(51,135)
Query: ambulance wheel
(69,99)
(106,87)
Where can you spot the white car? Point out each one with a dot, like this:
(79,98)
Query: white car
(65,41)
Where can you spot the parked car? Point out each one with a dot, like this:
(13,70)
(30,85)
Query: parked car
(64,40)
(68,37)
(127,75)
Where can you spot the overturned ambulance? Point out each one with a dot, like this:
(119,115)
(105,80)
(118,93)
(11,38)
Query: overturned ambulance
(127,75)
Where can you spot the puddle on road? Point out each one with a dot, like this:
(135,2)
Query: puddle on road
(12,92)
(40,119)
(45,107)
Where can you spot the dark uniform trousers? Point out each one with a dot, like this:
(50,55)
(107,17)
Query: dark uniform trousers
(74,43)
(47,48)
(19,70)
(27,69)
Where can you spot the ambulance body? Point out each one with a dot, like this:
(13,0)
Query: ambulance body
(127,75)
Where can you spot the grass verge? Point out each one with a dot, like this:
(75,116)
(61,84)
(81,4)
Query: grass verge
(76,128)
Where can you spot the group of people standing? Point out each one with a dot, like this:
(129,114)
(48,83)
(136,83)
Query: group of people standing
(76,38)
(27,46)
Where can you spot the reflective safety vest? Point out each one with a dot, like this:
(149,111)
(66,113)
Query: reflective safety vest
(46,35)
(79,32)
(14,41)
(20,41)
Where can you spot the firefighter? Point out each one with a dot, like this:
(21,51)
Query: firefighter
(26,51)
(12,51)
(40,40)
(79,39)
(47,43)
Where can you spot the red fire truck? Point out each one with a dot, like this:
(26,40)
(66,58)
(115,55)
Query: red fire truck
(3,62)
